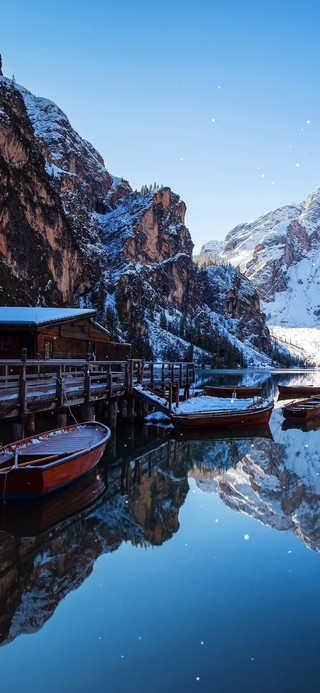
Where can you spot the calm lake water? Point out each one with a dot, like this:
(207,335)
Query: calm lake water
(189,562)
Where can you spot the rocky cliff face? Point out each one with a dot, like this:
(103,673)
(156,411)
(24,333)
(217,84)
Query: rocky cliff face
(73,234)
(229,294)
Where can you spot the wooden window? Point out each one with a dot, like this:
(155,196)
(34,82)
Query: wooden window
(7,342)
(48,349)
(91,351)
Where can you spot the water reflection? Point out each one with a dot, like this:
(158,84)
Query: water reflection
(140,504)
(267,380)
(311,425)
(277,482)
(49,548)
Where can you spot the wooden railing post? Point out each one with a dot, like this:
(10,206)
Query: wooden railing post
(130,376)
(87,383)
(59,387)
(23,388)
(141,371)
(109,379)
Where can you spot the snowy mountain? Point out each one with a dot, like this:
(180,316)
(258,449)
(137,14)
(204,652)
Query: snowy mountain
(280,254)
(73,234)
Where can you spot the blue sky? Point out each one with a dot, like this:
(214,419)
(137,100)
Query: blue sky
(218,100)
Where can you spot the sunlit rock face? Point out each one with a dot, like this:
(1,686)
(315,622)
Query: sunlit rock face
(41,259)
(149,228)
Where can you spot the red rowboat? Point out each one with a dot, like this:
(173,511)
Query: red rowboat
(240,391)
(38,465)
(257,412)
(302,410)
(296,391)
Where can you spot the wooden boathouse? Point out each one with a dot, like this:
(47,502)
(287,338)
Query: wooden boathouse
(68,365)
(56,333)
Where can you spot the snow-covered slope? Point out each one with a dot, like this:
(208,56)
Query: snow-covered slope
(280,254)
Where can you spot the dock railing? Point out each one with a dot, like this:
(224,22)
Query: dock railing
(32,385)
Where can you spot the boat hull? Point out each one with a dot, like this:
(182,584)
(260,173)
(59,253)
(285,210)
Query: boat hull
(36,479)
(223,419)
(241,391)
(303,411)
(296,391)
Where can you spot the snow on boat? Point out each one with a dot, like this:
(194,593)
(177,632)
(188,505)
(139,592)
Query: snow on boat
(302,410)
(36,466)
(296,391)
(241,391)
(206,412)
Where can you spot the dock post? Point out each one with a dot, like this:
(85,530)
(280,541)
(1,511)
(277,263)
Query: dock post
(112,413)
(17,430)
(87,413)
(31,424)
(130,409)
(140,411)
(145,409)
(61,418)
(121,410)
(99,409)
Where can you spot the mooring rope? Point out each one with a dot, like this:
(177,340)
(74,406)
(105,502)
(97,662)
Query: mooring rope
(65,399)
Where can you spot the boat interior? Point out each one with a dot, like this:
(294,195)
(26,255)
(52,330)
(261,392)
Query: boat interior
(33,459)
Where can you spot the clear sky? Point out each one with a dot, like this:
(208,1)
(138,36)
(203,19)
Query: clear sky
(220,100)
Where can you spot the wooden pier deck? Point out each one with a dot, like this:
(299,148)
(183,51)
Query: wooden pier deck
(28,387)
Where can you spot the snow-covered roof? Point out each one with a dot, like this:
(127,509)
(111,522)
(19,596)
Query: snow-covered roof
(39,316)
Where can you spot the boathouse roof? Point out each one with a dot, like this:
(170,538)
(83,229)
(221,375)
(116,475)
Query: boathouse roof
(41,316)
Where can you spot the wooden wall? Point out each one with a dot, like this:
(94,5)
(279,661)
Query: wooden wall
(74,339)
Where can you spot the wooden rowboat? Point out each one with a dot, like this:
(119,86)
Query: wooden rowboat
(296,391)
(41,464)
(240,391)
(253,414)
(302,410)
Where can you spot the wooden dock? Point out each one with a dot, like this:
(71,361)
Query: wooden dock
(29,387)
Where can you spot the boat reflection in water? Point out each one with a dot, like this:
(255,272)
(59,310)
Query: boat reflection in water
(138,500)
(31,518)
(308,425)
(54,543)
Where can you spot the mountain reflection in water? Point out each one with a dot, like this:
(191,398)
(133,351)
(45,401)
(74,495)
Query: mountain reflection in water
(49,549)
